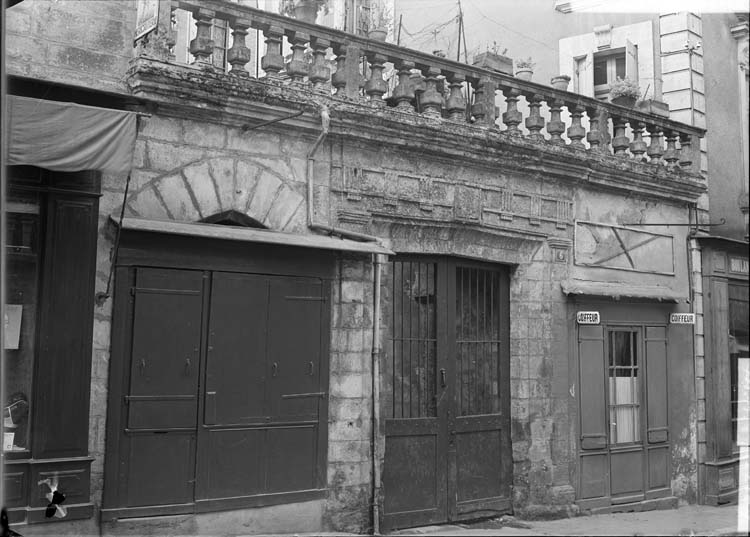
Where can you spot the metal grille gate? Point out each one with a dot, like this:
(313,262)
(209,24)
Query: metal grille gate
(446,392)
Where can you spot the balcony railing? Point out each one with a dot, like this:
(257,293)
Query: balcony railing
(436,87)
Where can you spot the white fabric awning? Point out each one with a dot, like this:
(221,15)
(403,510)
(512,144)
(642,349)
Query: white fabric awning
(621,290)
(70,137)
(216,231)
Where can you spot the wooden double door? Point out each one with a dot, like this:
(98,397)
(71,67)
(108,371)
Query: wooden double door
(446,392)
(625,443)
(225,383)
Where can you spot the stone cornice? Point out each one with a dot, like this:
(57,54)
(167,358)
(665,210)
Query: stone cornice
(200,95)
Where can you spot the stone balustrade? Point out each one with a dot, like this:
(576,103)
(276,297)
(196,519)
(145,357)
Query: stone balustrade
(435,87)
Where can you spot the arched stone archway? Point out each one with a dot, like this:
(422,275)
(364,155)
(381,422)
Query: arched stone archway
(216,185)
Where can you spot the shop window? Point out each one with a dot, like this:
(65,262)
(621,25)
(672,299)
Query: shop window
(23,265)
(624,392)
(50,251)
(738,332)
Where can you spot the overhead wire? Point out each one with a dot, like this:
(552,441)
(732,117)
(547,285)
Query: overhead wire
(486,17)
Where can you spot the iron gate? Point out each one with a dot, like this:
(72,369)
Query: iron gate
(446,392)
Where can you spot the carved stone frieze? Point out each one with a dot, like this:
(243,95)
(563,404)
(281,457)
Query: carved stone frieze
(406,196)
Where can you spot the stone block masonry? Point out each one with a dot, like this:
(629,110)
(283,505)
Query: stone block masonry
(350,401)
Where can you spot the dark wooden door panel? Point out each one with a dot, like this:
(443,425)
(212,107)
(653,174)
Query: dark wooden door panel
(290,460)
(626,472)
(592,379)
(160,468)
(61,430)
(234,463)
(482,482)
(293,360)
(594,475)
(656,377)
(414,473)
(166,333)
(163,387)
(479,466)
(237,339)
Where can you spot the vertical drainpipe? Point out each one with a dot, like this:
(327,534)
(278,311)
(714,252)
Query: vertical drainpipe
(377,264)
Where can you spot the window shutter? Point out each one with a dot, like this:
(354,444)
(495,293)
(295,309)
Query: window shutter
(592,397)
(631,61)
(656,377)
(585,75)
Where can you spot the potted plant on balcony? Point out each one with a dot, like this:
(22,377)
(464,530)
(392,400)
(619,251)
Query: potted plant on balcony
(624,92)
(525,68)
(304,10)
(560,82)
(379,21)
(494,59)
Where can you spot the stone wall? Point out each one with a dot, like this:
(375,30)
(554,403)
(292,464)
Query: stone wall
(350,401)
(85,43)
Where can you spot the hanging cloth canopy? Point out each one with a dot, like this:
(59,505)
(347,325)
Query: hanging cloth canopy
(70,137)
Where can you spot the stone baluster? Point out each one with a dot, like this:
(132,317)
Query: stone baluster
(320,73)
(671,155)
(512,117)
(298,67)
(171,39)
(637,146)
(576,131)
(456,104)
(535,121)
(273,62)
(620,142)
(404,93)
(555,127)
(431,100)
(594,136)
(656,148)
(338,80)
(239,55)
(203,46)
(376,86)
(686,152)
(483,108)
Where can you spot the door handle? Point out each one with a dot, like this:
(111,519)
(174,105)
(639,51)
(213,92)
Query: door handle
(442,378)
(187,365)
(274,369)
(143,366)
(312,368)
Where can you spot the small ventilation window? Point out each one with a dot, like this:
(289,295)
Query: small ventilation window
(233,218)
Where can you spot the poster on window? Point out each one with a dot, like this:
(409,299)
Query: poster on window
(12,325)
(147,17)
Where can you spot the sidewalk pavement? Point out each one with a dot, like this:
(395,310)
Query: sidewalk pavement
(691,520)
(688,520)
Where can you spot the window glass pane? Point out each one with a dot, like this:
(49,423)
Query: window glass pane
(738,343)
(23,244)
(600,72)
(619,67)
(624,389)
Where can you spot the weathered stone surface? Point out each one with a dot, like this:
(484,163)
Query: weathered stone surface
(147,204)
(263,196)
(203,189)
(177,199)
(284,206)
(223,173)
